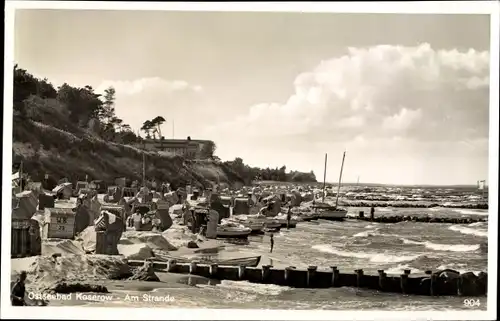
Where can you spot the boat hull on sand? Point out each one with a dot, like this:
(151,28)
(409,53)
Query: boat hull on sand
(256,228)
(309,218)
(251,261)
(272,225)
(233,234)
(293,223)
(333,215)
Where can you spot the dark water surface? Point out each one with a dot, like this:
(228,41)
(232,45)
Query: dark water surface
(348,245)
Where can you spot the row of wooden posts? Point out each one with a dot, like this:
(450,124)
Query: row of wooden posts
(429,284)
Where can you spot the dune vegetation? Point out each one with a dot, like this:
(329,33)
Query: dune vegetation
(74,132)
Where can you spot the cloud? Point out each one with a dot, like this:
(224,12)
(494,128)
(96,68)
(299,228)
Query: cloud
(148,85)
(145,98)
(414,93)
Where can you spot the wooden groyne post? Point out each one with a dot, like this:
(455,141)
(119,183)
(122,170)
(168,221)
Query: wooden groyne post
(312,277)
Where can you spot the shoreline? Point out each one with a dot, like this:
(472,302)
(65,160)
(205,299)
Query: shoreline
(399,204)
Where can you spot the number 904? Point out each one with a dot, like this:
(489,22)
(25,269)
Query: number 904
(472,303)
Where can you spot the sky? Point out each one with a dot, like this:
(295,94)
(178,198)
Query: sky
(406,96)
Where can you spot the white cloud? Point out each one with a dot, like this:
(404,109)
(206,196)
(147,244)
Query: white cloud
(404,114)
(144,85)
(403,120)
(385,91)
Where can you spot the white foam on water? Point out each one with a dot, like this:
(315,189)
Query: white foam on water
(434,209)
(372,225)
(452,247)
(479,224)
(471,212)
(372,257)
(263,289)
(384,209)
(406,241)
(400,269)
(468,230)
(445,247)
(366,233)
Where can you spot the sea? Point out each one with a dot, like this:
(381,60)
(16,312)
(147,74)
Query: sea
(349,245)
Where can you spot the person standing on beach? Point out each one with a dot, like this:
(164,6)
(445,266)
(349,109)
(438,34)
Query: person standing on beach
(272,242)
(372,213)
(18,291)
(288,217)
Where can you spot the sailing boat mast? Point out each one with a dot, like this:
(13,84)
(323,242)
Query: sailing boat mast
(324,178)
(340,181)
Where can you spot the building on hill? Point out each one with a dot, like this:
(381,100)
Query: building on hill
(189,148)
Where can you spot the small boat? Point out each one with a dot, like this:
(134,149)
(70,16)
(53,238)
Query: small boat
(307,217)
(272,224)
(250,261)
(256,227)
(254,223)
(331,213)
(231,229)
(233,232)
(283,221)
(257,222)
(326,211)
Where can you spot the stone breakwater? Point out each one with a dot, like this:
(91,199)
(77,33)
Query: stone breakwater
(444,282)
(420,219)
(475,206)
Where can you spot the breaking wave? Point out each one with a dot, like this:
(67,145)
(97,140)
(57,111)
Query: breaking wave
(468,230)
(445,247)
(479,224)
(372,257)
(400,269)
(253,288)
(471,212)
(366,233)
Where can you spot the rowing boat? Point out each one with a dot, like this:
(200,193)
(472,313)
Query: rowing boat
(250,261)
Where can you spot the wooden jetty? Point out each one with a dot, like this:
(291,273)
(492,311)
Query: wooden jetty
(435,284)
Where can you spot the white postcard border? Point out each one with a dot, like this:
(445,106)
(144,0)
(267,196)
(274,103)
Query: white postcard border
(91,313)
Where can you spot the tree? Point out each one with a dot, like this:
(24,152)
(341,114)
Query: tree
(67,107)
(146,127)
(45,89)
(158,121)
(117,123)
(128,137)
(26,85)
(108,110)
(82,103)
(282,174)
(208,149)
